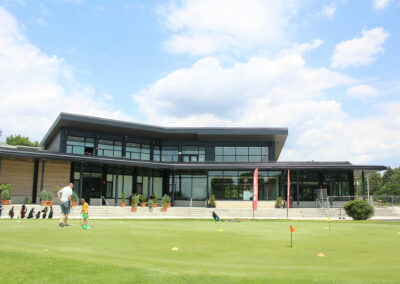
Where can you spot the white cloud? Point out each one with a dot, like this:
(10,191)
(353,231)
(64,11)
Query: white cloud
(381,4)
(362,91)
(327,11)
(42,22)
(275,93)
(359,51)
(31,94)
(299,48)
(207,26)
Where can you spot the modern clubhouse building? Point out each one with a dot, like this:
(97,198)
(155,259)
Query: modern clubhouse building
(105,158)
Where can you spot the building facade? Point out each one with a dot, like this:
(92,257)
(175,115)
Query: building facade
(105,158)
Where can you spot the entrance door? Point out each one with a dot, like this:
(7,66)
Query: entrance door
(91,188)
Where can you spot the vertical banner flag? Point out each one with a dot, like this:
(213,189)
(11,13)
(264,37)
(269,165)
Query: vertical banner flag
(255,189)
(288,191)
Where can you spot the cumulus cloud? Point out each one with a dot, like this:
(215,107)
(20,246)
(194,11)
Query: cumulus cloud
(362,91)
(206,27)
(381,4)
(359,51)
(31,92)
(327,11)
(299,48)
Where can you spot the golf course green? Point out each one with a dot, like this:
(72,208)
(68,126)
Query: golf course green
(141,251)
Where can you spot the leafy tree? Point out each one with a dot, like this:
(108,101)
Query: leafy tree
(386,176)
(375,183)
(19,140)
(392,186)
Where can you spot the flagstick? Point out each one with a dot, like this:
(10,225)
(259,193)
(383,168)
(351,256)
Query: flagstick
(291,239)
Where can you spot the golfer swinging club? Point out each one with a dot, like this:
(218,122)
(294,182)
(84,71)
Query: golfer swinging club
(64,195)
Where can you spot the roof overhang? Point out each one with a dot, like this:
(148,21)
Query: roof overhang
(221,134)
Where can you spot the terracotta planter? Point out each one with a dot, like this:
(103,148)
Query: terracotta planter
(5,202)
(73,203)
(164,209)
(133,209)
(44,203)
(122,204)
(142,204)
(168,205)
(155,205)
(49,203)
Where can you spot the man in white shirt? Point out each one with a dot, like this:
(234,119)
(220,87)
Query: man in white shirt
(64,196)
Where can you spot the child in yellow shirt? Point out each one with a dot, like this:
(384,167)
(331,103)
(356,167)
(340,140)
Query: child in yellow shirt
(84,214)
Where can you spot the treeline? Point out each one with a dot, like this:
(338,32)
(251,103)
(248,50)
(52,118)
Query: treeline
(386,184)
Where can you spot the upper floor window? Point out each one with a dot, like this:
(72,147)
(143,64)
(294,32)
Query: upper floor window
(169,154)
(193,154)
(156,153)
(109,148)
(241,154)
(80,145)
(138,151)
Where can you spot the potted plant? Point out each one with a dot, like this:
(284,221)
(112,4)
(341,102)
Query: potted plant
(279,203)
(135,201)
(211,202)
(74,198)
(123,200)
(168,198)
(5,197)
(142,200)
(164,202)
(155,199)
(150,203)
(5,187)
(43,197)
(49,199)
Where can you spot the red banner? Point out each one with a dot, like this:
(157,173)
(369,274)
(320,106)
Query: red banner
(288,191)
(255,189)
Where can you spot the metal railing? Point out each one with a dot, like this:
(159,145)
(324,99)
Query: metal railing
(105,200)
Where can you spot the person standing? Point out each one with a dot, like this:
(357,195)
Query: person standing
(64,196)
(84,213)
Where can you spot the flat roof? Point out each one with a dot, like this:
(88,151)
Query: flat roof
(219,134)
(328,165)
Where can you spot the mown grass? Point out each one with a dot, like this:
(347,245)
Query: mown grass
(38,251)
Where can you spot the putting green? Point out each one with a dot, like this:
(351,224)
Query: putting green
(206,252)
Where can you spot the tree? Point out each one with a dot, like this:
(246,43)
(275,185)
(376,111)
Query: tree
(392,186)
(386,176)
(19,140)
(375,182)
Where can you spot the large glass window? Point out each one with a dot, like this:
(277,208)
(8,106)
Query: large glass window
(80,145)
(241,154)
(169,154)
(193,154)
(109,148)
(137,151)
(190,186)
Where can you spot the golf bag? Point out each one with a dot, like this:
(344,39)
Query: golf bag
(31,213)
(11,212)
(37,216)
(51,212)
(44,211)
(215,216)
(23,211)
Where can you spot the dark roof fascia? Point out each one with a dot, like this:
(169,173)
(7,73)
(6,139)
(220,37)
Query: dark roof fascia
(88,121)
(191,166)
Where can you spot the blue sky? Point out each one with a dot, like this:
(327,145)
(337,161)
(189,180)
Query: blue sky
(327,70)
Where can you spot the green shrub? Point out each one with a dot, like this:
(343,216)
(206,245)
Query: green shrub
(155,197)
(135,200)
(123,197)
(28,200)
(168,198)
(164,201)
(74,197)
(49,196)
(211,202)
(279,202)
(150,203)
(5,186)
(43,195)
(359,209)
(142,198)
(5,195)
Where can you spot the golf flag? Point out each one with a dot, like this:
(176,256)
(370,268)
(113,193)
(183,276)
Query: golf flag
(255,189)
(288,192)
(291,229)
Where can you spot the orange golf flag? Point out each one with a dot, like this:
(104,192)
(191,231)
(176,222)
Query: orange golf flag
(291,229)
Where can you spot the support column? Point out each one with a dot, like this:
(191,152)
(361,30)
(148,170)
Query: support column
(351,184)
(297,189)
(35,180)
(42,176)
(81,182)
(173,188)
(116,187)
(148,184)
(363,184)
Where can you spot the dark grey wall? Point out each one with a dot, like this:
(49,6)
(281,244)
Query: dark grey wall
(55,144)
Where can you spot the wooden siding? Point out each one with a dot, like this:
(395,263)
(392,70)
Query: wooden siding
(18,173)
(56,174)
